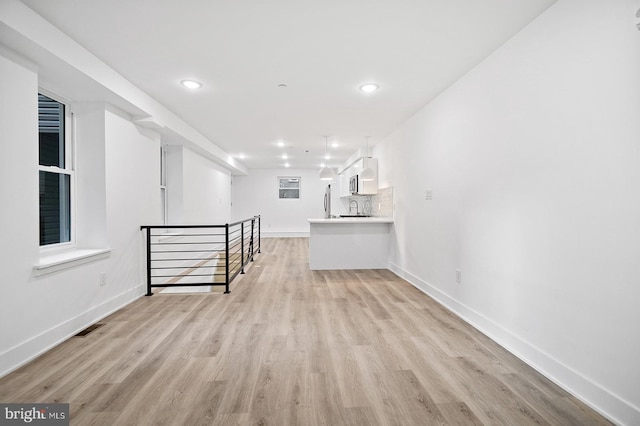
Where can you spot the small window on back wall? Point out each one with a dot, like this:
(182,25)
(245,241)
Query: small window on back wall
(289,187)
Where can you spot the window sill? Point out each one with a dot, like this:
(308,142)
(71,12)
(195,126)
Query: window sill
(54,262)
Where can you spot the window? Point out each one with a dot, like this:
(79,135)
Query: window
(55,172)
(289,187)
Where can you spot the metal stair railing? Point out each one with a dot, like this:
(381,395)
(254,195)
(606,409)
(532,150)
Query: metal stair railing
(199,255)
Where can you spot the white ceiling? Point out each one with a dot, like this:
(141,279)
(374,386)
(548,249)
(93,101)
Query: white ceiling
(322,50)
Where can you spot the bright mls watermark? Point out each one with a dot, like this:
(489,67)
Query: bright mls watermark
(34,414)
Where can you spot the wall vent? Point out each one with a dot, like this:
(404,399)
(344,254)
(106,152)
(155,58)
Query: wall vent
(89,329)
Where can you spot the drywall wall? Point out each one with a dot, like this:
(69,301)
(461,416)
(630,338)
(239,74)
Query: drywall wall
(91,214)
(174,185)
(198,190)
(533,160)
(19,212)
(257,194)
(133,196)
(118,184)
(38,312)
(206,191)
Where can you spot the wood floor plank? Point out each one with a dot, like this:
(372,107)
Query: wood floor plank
(431,365)
(380,388)
(347,375)
(553,409)
(84,405)
(421,407)
(458,414)
(291,346)
(372,301)
(492,398)
(206,406)
(173,404)
(327,407)
(143,407)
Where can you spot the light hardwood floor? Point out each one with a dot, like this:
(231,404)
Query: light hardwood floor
(290,346)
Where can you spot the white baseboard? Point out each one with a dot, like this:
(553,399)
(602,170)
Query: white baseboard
(600,399)
(284,235)
(30,349)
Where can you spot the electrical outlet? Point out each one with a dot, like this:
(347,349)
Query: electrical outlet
(458,276)
(103,279)
(428,194)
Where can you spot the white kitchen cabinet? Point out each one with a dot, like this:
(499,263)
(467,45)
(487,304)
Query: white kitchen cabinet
(352,243)
(344,184)
(364,187)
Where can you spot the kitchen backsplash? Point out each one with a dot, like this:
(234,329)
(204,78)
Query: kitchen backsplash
(379,205)
(382,203)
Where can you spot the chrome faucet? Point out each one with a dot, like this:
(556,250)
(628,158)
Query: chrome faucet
(351,204)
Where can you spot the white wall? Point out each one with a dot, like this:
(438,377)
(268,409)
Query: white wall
(19,192)
(206,191)
(534,162)
(133,197)
(89,126)
(198,190)
(117,186)
(257,194)
(175,184)
(37,312)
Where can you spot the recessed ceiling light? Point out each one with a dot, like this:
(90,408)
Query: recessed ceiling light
(286,164)
(191,84)
(280,144)
(284,156)
(369,87)
(282,85)
(334,144)
(241,156)
(327,156)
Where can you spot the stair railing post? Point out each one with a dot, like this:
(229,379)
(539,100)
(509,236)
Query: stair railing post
(149,293)
(253,221)
(259,225)
(226,260)
(242,247)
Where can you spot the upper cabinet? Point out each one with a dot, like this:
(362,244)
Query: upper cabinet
(352,174)
(344,184)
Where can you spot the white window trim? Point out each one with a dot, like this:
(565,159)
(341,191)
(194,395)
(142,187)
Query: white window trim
(61,256)
(299,178)
(70,166)
(59,260)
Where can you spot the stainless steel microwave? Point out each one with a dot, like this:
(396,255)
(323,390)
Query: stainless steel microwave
(353,184)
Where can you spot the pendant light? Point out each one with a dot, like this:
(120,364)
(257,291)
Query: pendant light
(326,173)
(367,174)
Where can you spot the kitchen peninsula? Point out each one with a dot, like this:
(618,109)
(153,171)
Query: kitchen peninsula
(349,243)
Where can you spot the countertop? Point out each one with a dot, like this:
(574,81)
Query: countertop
(352,220)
